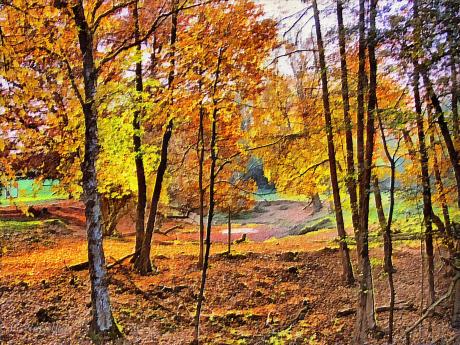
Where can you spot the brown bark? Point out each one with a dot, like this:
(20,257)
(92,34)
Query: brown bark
(350,179)
(445,132)
(440,186)
(102,319)
(454,86)
(387,236)
(426,189)
(365,318)
(143,264)
(456,302)
(316,202)
(140,171)
(112,211)
(212,178)
(229,227)
(201,189)
(347,269)
(379,204)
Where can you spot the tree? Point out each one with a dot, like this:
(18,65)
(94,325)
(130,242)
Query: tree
(365,318)
(143,263)
(346,263)
(103,321)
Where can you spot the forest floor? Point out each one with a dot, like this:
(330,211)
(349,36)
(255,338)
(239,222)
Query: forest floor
(269,291)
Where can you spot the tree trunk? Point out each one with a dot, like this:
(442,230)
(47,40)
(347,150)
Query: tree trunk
(387,240)
(229,227)
(350,179)
(365,318)
(379,204)
(200,181)
(454,86)
(212,178)
(102,319)
(316,202)
(453,155)
(426,189)
(208,228)
(143,263)
(140,171)
(440,187)
(347,269)
(456,302)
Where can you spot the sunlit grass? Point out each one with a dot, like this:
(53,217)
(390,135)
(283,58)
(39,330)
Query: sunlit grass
(30,192)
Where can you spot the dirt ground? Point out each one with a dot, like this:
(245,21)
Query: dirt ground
(279,291)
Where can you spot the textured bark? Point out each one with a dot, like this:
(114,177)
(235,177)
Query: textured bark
(201,189)
(102,319)
(143,264)
(316,202)
(350,179)
(229,227)
(347,269)
(410,145)
(426,188)
(440,187)
(365,318)
(112,210)
(454,86)
(456,302)
(140,171)
(445,132)
(387,238)
(379,204)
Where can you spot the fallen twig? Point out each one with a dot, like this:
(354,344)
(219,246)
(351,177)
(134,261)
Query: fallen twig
(120,261)
(85,265)
(167,231)
(381,309)
(430,309)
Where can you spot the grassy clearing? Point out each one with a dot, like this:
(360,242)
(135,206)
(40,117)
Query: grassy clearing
(30,192)
(20,225)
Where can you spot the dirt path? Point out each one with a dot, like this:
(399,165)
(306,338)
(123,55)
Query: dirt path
(274,219)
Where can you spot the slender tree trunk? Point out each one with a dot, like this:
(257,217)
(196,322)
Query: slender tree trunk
(350,179)
(427,207)
(365,317)
(360,118)
(316,202)
(388,249)
(453,154)
(212,178)
(229,227)
(347,268)
(456,303)
(440,185)
(387,240)
(102,319)
(143,263)
(410,145)
(379,203)
(454,86)
(201,189)
(139,161)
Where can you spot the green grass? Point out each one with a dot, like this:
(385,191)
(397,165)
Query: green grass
(31,192)
(17,226)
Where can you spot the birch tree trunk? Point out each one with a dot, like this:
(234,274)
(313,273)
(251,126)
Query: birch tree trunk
(102,319)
